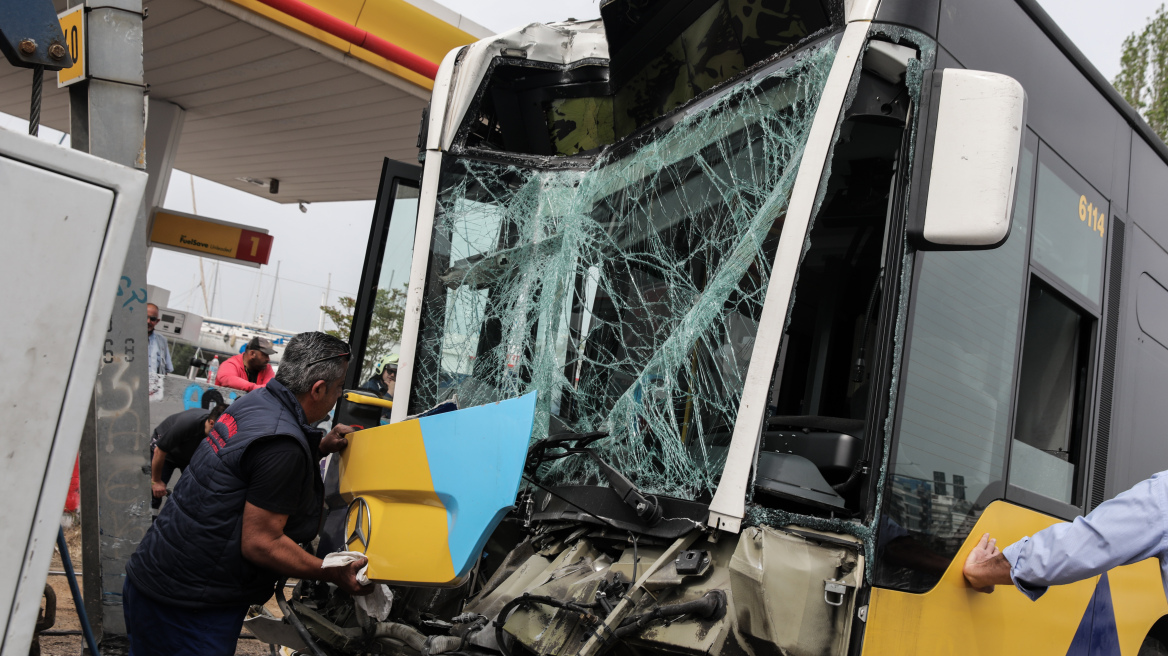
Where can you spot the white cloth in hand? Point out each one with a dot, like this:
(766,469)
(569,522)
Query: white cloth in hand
(378,603)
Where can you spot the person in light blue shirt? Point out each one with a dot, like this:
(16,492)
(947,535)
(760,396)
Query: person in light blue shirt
(1127,529)
(159,351)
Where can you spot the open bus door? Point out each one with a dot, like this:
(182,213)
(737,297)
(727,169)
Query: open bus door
(380,303)
(376,325)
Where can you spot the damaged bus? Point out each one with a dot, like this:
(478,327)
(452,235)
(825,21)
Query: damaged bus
(787,301)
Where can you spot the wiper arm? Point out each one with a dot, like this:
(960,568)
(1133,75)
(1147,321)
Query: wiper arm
(646,506)
(537,454)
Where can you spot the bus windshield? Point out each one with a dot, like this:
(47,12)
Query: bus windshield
(627,294)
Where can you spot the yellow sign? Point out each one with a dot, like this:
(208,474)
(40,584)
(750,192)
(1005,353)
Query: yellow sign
(187,233)
(73,25)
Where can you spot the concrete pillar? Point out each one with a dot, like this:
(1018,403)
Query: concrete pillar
(164,123)
(163,128)
(108,119)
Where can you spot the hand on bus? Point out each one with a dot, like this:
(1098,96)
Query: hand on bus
(985,566)
(335,440)
(346,578)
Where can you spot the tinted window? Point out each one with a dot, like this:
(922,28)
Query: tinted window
(1070,224)
(1051,388)
(385,325)
(955,419)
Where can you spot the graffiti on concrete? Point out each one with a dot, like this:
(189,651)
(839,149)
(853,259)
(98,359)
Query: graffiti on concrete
(135,298)
(122,416)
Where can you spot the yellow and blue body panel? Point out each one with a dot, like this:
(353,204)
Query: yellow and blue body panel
(425,494)
(1109,614)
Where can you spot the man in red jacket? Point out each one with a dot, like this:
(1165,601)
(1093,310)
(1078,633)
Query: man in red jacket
(248,370)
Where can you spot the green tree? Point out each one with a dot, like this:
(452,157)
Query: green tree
(389,309)
(1143,77)
(341,316)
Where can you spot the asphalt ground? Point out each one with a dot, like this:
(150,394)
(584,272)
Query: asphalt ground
(74,645)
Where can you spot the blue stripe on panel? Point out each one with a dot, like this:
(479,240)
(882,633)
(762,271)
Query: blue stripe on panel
(476,460)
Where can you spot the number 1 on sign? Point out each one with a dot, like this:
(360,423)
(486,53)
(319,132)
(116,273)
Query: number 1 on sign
(253,246)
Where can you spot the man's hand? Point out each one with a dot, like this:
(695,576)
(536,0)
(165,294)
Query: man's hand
(157,463)
(985,566)
(335,440)
(265,544)
(345,578)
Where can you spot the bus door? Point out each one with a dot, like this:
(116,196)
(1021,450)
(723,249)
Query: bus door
(381,300)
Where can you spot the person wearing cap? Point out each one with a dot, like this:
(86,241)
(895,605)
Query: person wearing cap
(248,370)
(384,381)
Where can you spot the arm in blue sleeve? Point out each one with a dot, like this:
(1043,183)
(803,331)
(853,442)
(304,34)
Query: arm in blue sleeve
(1127,529)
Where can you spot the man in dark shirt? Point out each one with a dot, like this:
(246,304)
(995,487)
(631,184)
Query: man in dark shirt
(173,443)
(236,522)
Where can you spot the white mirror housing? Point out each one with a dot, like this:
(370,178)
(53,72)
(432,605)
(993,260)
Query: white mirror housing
(969,141)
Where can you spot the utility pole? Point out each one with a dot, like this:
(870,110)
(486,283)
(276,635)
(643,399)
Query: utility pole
(324,301)
(214,289)
(259,284)
(202,278)
(203,288)
(273,303)
(108,119)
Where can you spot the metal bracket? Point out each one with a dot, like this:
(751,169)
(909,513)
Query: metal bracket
(835,592)
(30,35)
(692,562)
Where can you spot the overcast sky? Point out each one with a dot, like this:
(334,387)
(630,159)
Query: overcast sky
(307,244)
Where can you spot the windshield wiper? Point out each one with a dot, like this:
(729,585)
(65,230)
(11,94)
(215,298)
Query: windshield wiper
(646,506)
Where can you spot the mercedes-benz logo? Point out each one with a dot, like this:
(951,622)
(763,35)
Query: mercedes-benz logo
(362,527)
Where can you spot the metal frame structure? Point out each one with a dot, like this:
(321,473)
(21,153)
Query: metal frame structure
(50,485)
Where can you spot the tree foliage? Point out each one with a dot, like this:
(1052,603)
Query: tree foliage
(384,328)
(1143,77)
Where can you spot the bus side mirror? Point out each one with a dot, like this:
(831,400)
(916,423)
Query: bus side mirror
(968,144)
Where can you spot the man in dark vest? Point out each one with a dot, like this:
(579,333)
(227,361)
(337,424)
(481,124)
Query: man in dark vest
(250,497)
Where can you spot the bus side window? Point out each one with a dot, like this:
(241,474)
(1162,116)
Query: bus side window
(1066,286)
(1052,390)
(952,433)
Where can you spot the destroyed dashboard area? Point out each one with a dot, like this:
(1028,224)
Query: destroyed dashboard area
(604,233)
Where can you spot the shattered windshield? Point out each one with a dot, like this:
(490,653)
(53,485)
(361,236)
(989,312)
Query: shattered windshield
(627,294)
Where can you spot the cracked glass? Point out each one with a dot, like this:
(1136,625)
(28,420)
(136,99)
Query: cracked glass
(627,294)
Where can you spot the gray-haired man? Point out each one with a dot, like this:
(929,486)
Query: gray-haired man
(251,494)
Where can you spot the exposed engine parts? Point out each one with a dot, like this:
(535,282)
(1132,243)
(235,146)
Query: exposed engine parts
(711,606)
(571,589)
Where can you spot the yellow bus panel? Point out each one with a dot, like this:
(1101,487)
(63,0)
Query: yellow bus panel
(953,618)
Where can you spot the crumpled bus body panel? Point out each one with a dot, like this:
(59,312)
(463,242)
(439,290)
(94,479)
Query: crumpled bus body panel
(425,494)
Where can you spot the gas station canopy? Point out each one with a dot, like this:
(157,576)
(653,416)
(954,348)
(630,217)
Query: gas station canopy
(269,96)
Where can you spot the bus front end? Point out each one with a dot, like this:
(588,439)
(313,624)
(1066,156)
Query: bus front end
(687,231)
